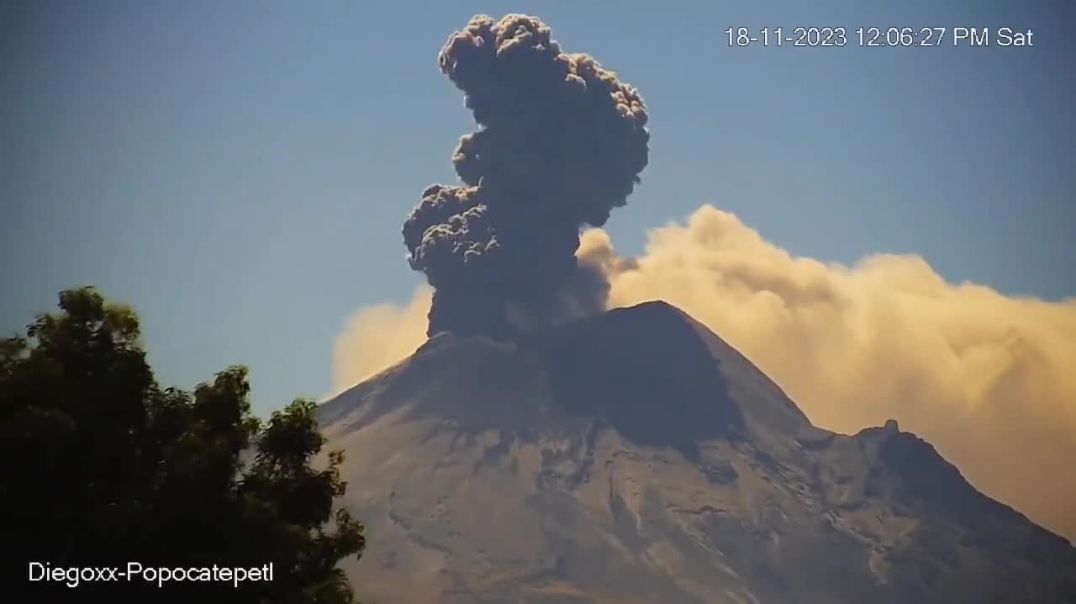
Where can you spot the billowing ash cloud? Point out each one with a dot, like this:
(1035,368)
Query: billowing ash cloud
(560,143)
(987,378)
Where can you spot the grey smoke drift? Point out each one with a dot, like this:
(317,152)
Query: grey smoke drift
(560,143)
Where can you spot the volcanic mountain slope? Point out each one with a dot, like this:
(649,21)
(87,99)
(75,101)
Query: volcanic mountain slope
(636,457)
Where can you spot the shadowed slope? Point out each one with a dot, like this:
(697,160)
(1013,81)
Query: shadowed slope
(636,457)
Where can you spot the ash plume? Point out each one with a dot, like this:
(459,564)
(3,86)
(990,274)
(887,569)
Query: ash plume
(560,143)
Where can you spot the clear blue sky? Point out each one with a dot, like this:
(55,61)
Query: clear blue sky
(239,171)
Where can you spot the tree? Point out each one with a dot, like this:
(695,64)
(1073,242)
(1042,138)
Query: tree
(100,467)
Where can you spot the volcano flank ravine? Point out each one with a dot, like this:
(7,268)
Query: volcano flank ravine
(634,456)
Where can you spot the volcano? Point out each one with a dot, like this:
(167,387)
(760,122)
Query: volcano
(634,456)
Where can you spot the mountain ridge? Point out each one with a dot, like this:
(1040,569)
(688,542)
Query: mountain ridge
(636,454)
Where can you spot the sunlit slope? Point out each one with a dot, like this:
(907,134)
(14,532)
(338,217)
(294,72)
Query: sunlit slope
(636,457)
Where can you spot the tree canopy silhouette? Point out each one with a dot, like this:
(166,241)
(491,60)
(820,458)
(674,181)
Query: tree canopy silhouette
(100,465)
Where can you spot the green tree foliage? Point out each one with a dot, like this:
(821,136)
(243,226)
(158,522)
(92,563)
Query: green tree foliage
(99,465)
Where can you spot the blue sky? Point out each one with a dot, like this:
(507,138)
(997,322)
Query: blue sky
(239,171)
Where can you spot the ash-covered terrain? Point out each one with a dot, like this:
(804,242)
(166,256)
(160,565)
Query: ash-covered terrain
(633,456)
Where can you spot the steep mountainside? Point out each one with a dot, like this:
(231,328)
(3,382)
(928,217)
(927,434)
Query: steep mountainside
(636,457)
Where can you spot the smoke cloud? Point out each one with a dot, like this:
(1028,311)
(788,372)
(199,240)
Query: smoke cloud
(377,337)
(989,379)
(560,143)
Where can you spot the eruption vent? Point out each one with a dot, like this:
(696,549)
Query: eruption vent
(560,143)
